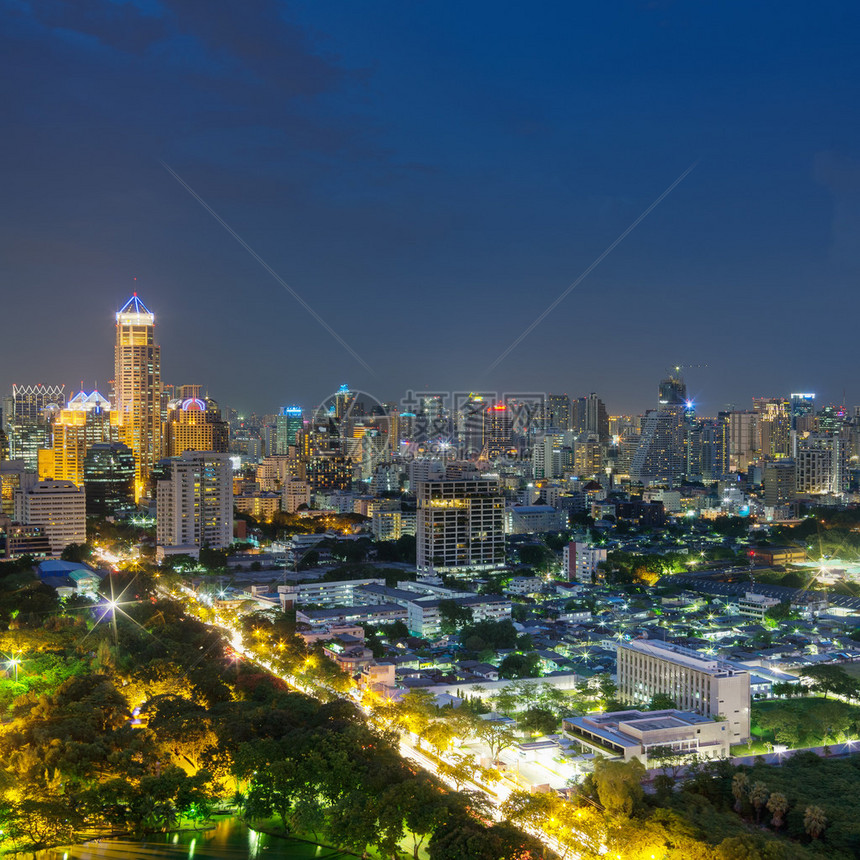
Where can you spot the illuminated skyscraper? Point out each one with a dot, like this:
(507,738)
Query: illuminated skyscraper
(85,421)
(137,385)
(194,425)
(288,423)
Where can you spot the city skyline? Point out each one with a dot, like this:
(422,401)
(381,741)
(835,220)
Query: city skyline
(407,396)
(430,190)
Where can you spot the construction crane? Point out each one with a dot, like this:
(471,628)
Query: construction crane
(677,368)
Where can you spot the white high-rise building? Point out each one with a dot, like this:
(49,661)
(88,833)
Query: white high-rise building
(580,561)
(59,507)
(821,465)
(460,525)
(194,504)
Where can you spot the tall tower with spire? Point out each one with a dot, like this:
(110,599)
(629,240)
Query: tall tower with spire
(137,382)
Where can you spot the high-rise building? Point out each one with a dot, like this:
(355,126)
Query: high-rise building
(14,476)
(694,683)
(779,483)
(58,507)
(744,440)
(460,525)
(661,454)
(801,404)
(288,422)
(821,465)
(672,391)
(774,426)
(558,412)
(137,385)
(193,425)
(498,431)
(580,561)
(86,420)
(109,472)
(28,414)
(194,503)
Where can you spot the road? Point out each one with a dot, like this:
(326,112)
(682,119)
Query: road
(406,748)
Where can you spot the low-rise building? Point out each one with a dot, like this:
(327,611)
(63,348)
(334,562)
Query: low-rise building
(425,618)
(753,605)
(384,613)
(636,734)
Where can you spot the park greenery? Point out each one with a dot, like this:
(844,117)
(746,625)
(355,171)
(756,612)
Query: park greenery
(153,723)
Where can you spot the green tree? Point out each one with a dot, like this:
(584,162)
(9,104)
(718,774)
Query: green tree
(758,797)
(540,721)
(497,737)
(453,616)
(777,805)
(619,785)
(814,821)
(661,702)
(520,666)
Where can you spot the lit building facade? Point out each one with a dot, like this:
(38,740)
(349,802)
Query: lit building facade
(194,503)
(705,686)
(109,471)
(193,426)
(58,508)
(460,525)
(137,385)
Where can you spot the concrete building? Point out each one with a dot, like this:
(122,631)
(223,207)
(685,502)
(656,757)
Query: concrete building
(194,503)
(696,683)
(337,593)
(534,519)
(779,483)
(58,507)
(460,525)
(295,493)
(635,734)
(425,618)
(580,561)
(821,465)
(753,605)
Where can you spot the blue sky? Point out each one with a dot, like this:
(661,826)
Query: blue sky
(429,177)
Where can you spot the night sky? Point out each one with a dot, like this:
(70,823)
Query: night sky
(429,176)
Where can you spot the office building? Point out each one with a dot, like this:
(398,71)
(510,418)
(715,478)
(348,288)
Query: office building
(744,440)
(108,477)
(695,683)
(660,456)
(779,481)
(801,404)
(774,426)
(557,412)
(194,424)
(288,422)
(194,503)
(58,508)
(137,386)
(460,525)
(86,420)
